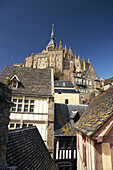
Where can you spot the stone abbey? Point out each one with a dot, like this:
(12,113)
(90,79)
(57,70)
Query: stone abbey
(60,58)
(80,72)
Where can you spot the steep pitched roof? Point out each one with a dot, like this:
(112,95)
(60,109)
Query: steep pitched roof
(63,124)
(98,112)
(63,84)
(32,81)
(26,150)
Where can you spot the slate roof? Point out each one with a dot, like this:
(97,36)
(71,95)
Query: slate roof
(61,83)
(97,113)
(66,90)
(33,81)
(26,150)
(63,124)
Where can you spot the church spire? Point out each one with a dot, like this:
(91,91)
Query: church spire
(52,33)
(52,42)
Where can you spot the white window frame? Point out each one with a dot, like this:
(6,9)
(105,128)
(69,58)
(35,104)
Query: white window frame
(30,103)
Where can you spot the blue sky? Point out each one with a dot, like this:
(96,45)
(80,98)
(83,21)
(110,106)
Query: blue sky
(84,25)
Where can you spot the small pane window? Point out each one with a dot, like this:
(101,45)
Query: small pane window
(19,100)
(12,125)
(31,101)
(31,108)
(14,108)
(19,108)
(26,101)
(25,108)
(24,125)
(14,100)
(17,125)
(30,125)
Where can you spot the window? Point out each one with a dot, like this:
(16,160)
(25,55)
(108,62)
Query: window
(19,108)
(14,100)
(19,100)
(14,108)
(31,108)
(17,125)
(59,92)
(25,108)
(31,101)
(26,101)
(66,101)
(12,125)
(30,125)
(24,125)
(88,82)
(14,83)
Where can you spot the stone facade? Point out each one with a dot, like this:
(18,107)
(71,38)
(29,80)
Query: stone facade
(86,81)
(60,58)
(50,134)
(5,104)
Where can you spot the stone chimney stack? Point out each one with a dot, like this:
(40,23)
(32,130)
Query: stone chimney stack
(5,103)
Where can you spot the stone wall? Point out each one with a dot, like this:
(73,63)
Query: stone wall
(50,132)
(5,95)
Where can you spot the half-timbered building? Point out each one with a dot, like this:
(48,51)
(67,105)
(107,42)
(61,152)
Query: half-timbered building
(32,95)
(95,134)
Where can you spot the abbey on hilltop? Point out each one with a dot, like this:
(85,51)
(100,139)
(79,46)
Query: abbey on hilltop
(66,66)
(60,58)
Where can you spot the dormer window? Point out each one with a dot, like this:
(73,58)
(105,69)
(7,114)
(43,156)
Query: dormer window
(75,116)
(14,84)
(15,80)
(59,92)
